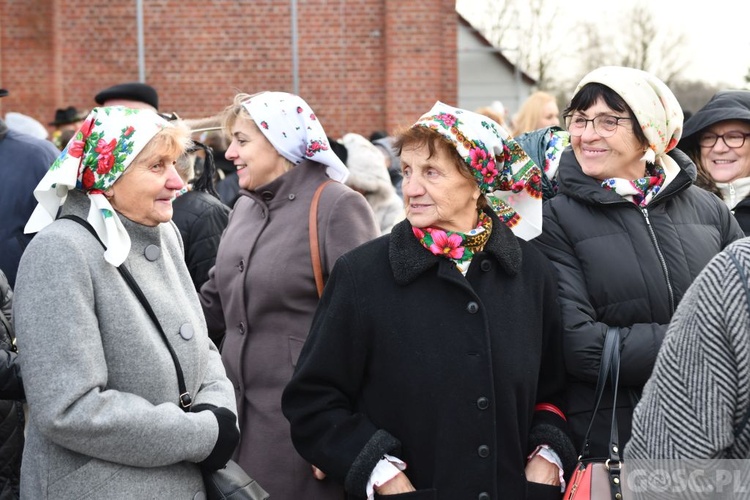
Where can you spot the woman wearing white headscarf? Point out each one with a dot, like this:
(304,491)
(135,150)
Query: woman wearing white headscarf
(110,416)
(261,294)
(628,233)
(434,363)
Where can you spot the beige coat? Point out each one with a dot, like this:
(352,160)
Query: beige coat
(262,294)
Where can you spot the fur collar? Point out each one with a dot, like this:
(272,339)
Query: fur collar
(409,258)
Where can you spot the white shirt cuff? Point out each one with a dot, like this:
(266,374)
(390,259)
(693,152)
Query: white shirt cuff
(385,470)
(552,457)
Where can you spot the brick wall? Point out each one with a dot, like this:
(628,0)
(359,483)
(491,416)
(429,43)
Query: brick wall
(363,64)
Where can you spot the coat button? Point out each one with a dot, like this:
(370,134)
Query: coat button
(241,327)
(483,403)
(292,196)
(152,252)
(267,195)
(483,451)
(483,496)
(485,265)
(186,331)
(242,265)
(472,307)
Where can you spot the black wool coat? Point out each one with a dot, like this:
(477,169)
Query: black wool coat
(623,266)
(407,356)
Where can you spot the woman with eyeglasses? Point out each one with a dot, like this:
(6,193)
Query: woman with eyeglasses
(627,233)
(715,138)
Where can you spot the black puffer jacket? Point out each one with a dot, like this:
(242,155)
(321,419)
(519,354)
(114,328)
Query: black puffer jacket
(11,412)
(619,265)
(742,214)
(201,219)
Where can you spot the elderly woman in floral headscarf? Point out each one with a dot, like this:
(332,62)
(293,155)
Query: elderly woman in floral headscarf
(262,293)
(110,417)
(627,233)
(434,362)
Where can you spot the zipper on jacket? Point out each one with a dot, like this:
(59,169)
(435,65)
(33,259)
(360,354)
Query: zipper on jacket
(662,260)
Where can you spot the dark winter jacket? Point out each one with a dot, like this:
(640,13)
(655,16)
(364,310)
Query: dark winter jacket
(201,219)
(407,356)
(23,162)
(724,105)
(741,212)
(623,266)
(11,391)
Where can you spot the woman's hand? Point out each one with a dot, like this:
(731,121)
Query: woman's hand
(399,484)
(539,470)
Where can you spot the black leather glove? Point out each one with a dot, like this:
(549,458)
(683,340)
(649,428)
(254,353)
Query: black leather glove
(228,438)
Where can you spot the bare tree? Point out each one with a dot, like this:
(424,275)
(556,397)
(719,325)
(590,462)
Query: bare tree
(645,46)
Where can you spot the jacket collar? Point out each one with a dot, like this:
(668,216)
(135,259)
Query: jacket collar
(409,258)
(574,183)
(299,178)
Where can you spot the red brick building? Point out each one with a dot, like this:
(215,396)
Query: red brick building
(362,64)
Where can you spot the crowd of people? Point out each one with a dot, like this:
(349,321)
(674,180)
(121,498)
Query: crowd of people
(419,313)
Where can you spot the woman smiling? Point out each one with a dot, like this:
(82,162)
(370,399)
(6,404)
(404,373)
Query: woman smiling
(111,414)
(627,233)
(262,293)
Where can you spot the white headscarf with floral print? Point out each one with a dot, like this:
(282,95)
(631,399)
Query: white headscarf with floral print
(655,107)
(97,155)
(509,179)
(290,125)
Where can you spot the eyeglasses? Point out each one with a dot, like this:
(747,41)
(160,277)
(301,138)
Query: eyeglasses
(733,140)
(604,125)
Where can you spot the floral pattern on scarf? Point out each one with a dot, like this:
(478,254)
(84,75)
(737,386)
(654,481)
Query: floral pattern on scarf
(453,245)
(640,191)
(509,179)
(290,125)
(97,155)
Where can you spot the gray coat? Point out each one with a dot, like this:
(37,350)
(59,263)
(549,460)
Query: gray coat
(100,383)
(262,292)
(696,403)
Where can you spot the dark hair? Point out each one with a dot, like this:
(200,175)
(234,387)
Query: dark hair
(205,182)
(592,92)
(418,136)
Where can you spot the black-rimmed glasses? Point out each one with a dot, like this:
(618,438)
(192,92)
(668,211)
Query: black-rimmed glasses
(604,125)
(733,140)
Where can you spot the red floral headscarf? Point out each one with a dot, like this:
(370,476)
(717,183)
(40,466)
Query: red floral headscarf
(97,155)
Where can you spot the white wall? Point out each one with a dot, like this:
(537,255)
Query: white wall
(483,77)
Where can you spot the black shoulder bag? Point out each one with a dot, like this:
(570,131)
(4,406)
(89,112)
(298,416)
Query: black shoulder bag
(230,482)
(596,479)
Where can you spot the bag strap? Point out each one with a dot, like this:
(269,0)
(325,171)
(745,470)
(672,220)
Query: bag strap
(185,399)
(614,463)
(314,246)
(611,343)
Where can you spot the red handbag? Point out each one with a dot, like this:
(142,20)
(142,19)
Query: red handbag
(595,478)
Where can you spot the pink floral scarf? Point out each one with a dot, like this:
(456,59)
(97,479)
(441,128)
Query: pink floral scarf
(458,247)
